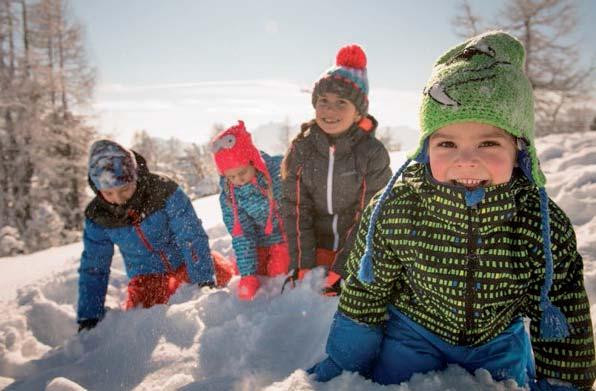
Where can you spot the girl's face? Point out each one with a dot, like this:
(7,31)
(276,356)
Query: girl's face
(472,154)
(240,176)
(335,115)
(119,195)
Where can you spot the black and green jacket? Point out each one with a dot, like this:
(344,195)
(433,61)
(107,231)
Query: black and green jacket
(465,272)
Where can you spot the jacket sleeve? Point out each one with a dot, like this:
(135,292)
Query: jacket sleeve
(378,173)
(298,210)
(245,245)
(190,237)
(572,359)
(94,272)
(363,302)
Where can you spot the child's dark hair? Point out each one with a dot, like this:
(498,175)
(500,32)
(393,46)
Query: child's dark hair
(284,163)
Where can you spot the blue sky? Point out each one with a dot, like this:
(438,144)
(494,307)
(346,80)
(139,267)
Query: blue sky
(176,67)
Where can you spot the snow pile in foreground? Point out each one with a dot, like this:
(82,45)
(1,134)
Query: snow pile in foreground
(207,339)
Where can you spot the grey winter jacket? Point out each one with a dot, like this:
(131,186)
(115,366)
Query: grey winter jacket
(327,183)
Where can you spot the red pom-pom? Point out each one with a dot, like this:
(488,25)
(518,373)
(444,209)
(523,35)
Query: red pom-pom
(351,56)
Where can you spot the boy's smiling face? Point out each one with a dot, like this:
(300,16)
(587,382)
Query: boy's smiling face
(472,154)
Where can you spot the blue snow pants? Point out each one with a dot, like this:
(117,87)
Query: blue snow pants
(409,348)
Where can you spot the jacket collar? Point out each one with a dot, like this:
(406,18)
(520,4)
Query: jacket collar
(343,143)
(448,204)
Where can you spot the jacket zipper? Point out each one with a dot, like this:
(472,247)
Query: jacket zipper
(330,169)
(471,267)
(137,226)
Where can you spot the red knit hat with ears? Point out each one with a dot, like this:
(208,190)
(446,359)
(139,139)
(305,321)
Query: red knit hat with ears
(233,148)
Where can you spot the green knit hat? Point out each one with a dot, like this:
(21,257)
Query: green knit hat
(482,80)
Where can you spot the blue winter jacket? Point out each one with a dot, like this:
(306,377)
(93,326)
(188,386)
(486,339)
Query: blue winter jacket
(156,231)
(253,211)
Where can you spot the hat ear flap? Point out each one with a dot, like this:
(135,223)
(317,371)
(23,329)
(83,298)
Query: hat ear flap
(422,156)
(524,160)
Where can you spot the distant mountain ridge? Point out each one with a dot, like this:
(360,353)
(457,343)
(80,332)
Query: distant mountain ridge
(274,137)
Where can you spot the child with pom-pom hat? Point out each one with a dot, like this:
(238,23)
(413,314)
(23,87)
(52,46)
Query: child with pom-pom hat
(332,169)
(250,191)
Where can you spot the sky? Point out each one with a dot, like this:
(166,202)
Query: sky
(175,68)
(208,340)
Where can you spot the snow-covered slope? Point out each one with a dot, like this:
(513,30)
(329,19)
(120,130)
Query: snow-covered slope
(207,339)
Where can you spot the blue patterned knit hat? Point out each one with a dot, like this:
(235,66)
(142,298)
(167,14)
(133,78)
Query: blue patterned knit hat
(482,80)
(111,165)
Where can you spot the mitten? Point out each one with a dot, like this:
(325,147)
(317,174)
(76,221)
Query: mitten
(247,287)
(87,324)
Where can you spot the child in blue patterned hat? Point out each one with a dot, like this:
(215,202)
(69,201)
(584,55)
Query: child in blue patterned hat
(449,260)
(151,220)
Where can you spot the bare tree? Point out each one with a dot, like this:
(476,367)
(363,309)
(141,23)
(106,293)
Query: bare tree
(146,146)
(465,22)
(547,29)
(44,79)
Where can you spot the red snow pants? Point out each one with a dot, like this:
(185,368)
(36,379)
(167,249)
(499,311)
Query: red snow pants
(152,289)
(273,260)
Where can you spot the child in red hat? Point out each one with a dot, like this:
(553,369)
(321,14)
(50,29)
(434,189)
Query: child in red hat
(251,189)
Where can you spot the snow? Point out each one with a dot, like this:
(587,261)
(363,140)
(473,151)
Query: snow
(208,340)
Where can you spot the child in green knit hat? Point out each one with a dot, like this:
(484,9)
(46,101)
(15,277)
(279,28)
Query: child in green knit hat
(449,260)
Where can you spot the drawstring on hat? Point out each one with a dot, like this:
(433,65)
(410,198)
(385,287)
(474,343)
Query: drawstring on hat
(237,229)
(553,324)
(269,224)
(366,272)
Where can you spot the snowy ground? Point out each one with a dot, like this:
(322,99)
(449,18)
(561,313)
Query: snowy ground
(207,339)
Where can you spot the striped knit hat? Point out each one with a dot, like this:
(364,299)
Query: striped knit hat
(234,148)
(347,78)
(111,165)
(482,80)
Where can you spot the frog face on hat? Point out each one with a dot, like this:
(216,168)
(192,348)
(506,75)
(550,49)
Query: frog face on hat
(482,80)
